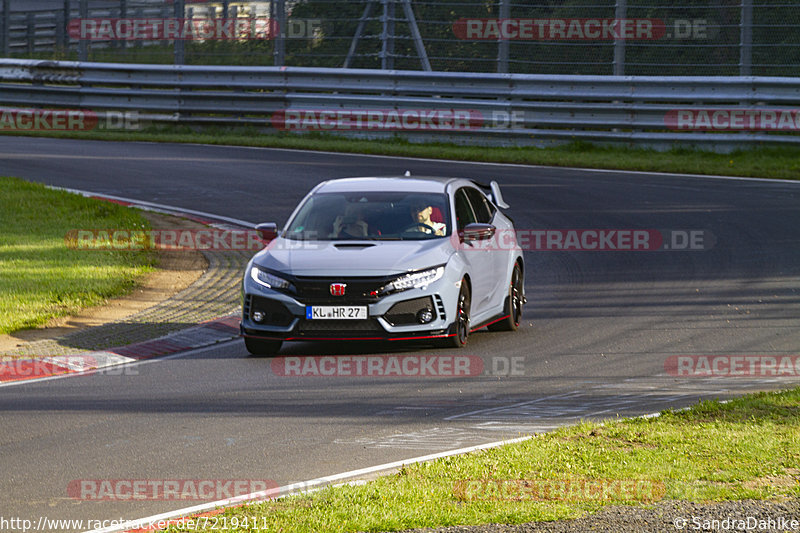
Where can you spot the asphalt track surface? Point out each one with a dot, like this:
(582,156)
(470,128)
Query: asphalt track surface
(598,329)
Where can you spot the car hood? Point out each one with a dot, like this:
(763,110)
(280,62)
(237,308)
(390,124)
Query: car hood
(352,258)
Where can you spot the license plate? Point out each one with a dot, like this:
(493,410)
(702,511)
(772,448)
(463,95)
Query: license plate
(336,312)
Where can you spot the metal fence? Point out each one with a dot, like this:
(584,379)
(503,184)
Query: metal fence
(588,37)
(472,107)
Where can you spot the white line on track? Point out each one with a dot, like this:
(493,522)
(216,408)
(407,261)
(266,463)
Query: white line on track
(114,368)
(405,158)
(163,207)
(516,165)
(296,488)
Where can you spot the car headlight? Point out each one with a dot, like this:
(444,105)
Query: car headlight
(415,280)
(268,280)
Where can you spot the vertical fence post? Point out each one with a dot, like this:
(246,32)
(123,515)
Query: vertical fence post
(503,44)
(30,28)
(384,32)
(390,25)
(180,50)
(620,13)
(387,35)
(137,13)
(66,26)
(115,40)
(123,14)
(83,44)
(746,39)
(6,20)
(58,36)
(278,23)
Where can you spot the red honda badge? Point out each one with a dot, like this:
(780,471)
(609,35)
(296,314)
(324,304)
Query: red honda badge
(337,289)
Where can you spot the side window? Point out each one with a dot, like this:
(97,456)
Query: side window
(464,214)
(492,207)
(483,213)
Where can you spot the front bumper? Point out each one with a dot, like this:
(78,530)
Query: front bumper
(392,317)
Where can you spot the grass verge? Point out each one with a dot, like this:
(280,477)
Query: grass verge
(40,276)
(748,448)
(766,162)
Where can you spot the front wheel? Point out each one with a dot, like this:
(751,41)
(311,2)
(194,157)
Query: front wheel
(262,347)
(514,302)
(459,339)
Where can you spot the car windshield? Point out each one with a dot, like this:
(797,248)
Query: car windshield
(371,216)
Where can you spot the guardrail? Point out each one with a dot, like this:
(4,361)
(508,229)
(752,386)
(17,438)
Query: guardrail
(508,108)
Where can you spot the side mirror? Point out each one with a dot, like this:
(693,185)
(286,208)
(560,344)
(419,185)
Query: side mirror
(267,230)
(477,232)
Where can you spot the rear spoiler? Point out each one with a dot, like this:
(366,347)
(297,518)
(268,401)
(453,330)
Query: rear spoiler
(497,196)
(493,190)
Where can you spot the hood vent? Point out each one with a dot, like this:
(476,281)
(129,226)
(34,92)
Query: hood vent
(353,245)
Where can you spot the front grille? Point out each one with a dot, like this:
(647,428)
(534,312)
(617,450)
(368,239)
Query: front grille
(317,291)
(405,313)
(339,328)
(275,313)
(440,307)
(246,306)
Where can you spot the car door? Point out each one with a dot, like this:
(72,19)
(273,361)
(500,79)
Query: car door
(478,257)
(500,256)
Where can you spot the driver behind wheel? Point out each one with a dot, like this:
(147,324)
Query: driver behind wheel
(421,215)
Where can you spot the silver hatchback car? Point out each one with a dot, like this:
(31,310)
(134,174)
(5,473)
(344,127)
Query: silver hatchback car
(394,258)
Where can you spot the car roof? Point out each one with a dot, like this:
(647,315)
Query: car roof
(431,184)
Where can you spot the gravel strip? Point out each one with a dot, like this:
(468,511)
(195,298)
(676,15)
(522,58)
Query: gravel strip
(663,517)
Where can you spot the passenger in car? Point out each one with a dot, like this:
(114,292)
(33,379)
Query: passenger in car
(351,224)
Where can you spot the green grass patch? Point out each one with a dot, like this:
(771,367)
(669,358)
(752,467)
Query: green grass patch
(764,162)
(40,276)
(748,448)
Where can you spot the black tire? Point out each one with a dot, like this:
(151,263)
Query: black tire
(262,347)
(459,340)
(513,304)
